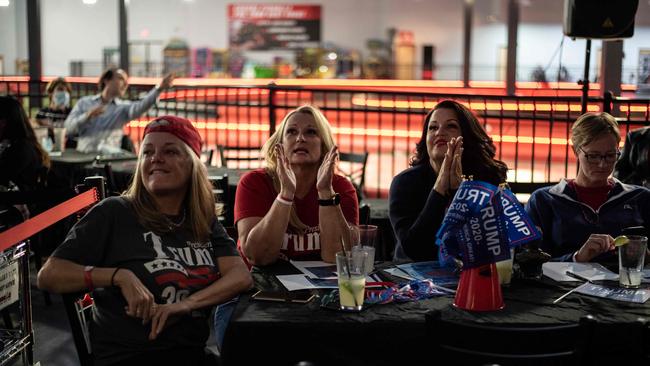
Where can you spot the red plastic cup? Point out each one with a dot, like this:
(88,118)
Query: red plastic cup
(479,289)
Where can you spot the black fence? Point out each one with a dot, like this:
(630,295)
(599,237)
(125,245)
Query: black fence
(532,133)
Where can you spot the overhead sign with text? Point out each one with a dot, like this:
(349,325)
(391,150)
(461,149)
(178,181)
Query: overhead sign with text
(273,26)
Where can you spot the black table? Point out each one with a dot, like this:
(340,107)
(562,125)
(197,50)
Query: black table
(74,157)
(282,333)
(123,173)
(378,208)
(120,174)
(70,164)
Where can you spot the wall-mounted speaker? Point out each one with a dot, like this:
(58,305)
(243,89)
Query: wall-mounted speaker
(428,62)
(599,19)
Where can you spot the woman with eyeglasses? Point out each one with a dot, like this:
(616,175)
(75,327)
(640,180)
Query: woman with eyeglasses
(580,217)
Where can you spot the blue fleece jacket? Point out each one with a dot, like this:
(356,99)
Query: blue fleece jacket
(566,223)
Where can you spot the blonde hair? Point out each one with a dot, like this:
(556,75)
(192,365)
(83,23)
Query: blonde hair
(199,203)
(591,126)
(268,152)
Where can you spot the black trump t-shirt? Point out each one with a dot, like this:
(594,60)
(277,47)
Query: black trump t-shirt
(170,265)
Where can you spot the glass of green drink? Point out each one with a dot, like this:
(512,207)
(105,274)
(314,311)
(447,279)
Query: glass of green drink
(350,268)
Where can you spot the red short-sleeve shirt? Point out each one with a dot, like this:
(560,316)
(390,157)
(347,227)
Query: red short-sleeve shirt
(255,195)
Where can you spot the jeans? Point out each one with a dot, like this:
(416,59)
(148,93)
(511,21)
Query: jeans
(222,317)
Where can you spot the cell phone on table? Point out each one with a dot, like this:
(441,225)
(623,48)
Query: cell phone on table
(301,297)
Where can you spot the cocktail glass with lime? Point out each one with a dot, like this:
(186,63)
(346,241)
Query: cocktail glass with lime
(350,267)
(631,256)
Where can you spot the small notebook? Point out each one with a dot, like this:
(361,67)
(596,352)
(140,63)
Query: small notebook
(615,293)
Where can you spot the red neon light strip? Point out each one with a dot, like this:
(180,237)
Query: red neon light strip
(39,222)
(411,84)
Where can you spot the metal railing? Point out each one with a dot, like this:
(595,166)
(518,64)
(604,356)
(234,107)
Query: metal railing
(532,133)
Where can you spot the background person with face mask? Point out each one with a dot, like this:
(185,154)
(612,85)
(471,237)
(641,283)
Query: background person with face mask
(54,115)
(58,91)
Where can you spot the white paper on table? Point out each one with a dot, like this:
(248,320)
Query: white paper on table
(592,271)
(303,266)
(299,282)
(398,273)
(302,282)
(615,293)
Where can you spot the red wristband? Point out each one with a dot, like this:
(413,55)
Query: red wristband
(88,277)
(285,198)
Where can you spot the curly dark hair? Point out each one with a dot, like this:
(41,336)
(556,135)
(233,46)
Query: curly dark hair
(478,149)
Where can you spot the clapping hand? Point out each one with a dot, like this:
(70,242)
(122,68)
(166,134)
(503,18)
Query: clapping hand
(326,172)
(451,171)
(285,173)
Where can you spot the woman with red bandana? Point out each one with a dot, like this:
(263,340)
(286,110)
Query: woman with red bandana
(155,259)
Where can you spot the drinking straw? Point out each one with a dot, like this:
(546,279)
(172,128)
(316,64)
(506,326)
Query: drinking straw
(566,294)
(347,269)
(576,276)
(629,279)
(625,268)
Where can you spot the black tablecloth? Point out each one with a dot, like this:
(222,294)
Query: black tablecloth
(282,333)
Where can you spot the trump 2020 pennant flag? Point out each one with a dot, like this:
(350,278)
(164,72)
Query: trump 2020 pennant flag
(482,223)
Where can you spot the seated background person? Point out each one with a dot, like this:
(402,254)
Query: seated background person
(98,119)
(453,144)
(23,161)
(25,167)
(58,92)
(296,208)
(157,256)
(634,165)
(579,217)
(55,114)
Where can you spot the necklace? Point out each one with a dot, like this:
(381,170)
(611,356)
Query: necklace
(173,225)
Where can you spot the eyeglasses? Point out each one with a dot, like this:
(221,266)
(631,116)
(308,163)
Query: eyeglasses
(595,158)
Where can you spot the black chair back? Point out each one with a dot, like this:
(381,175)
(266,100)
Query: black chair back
(78,305)
(471,343)
(221,192)
(240,157)
(528,187)
(353,166)
(364,214)
(616,343)
(206,156)
(79,333)
(9,216)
